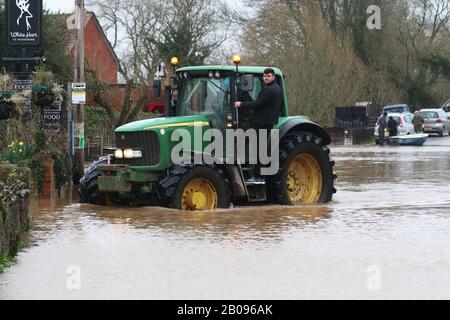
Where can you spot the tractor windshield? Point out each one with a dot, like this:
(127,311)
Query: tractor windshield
(204,96)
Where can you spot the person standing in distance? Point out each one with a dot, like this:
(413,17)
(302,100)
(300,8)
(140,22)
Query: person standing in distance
(418,122)
(382,123)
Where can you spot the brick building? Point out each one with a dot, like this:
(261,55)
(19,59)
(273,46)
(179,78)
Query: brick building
(99,54)
(101,59)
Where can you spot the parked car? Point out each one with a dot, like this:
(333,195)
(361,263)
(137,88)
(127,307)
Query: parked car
(405,125)
(436,121)
(396,108)
(446,107)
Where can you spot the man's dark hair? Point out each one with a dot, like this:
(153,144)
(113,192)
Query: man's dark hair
(269,70)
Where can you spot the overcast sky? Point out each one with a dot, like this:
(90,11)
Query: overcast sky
(68,5)
(59,5)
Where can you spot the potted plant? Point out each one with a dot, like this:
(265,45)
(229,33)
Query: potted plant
(44,91)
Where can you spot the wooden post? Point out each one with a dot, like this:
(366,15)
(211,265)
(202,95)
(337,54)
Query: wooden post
(101,143)
(79,77)
(48,188)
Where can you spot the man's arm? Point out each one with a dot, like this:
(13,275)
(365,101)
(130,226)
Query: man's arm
(262,100)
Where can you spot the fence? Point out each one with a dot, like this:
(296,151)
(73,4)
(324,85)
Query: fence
(358,117)
(102,138)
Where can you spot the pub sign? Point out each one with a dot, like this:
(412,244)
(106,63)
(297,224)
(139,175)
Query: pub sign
(23,23)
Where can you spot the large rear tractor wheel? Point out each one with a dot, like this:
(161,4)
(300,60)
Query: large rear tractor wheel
(88,188)
(306,171)
(194,188)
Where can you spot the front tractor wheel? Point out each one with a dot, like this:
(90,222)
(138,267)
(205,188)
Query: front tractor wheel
(194,188)
(306,171)
(88,188)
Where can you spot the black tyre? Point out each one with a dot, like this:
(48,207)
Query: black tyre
(88,188)
(194,188)
(306,171)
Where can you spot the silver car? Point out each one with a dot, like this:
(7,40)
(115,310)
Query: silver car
(405,125)
(446,107)
(435,121)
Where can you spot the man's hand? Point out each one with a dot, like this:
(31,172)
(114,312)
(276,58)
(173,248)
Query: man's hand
(237,104)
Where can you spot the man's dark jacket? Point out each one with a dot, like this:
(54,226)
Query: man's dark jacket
(267,106)
(392,125)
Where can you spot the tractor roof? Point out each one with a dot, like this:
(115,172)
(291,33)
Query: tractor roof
(242,69)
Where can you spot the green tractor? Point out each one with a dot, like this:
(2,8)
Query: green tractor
(141,171)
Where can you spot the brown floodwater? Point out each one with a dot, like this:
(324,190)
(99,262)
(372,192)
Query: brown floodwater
(385,235)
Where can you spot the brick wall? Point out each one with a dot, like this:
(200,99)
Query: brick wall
(98,55)
(101,59)
(115,94)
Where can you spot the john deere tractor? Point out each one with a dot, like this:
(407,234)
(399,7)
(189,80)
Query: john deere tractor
(141,169)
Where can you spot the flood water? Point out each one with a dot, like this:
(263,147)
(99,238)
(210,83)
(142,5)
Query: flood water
(385,235)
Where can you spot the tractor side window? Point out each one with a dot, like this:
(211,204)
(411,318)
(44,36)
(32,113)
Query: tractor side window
(257,87)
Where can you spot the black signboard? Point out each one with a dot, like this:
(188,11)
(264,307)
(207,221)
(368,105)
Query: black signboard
(53,120)
(24,23)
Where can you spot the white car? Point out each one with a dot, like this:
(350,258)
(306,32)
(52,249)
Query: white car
(446,107)
(405,125)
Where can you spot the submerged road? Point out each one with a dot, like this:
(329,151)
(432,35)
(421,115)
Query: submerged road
(385,236)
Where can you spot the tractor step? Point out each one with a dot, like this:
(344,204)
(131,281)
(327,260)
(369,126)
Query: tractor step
(255,183)
(256,190)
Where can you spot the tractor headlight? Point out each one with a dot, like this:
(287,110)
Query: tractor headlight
(131,154)
(128,153)
(118,153)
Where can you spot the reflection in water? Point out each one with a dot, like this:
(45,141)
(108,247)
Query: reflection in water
(257,223)
(391,211)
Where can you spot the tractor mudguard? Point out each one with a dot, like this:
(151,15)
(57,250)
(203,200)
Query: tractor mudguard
(304,126)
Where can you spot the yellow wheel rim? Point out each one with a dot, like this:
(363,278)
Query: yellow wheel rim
(199,194)
(304,180)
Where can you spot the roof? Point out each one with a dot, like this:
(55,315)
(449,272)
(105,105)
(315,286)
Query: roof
(87,17)
(396,114)
(396,105)
(242,69)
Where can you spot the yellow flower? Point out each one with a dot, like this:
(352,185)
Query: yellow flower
(21,143)
(12,143)
(20,150)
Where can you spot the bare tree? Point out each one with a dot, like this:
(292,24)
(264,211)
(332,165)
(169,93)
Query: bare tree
(322,70)
(192,30)
(150,32)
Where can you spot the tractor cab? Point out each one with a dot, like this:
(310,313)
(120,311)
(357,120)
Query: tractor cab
(211,92)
